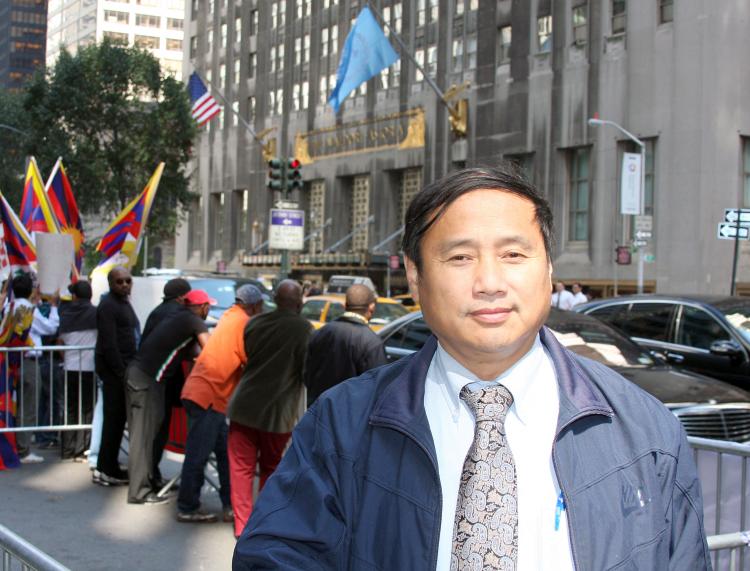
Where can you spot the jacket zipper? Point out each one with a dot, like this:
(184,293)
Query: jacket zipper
(568,506)
(436,537)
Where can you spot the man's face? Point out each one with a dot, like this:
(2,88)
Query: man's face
(559,286)
(120,282)
(485,282)
(576,288)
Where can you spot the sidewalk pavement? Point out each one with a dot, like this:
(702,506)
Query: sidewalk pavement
(55,506)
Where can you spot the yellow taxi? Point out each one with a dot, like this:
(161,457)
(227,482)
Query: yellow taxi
(322,309)
(408,302)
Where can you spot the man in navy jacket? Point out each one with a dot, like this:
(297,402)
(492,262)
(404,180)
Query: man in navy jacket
(381,470)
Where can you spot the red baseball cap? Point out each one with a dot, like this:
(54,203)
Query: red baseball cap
(198,297)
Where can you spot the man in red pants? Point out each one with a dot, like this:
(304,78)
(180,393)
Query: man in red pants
(266,404)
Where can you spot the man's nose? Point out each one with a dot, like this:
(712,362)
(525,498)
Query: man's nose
(490,278)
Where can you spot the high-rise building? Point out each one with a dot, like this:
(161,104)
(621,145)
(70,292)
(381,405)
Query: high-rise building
(153,24)
(536,71)
(23,31)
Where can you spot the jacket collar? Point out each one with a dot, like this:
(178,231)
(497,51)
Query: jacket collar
(402,401)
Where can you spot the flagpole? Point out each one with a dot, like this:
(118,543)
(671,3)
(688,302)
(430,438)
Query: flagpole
(228,105)
(408,54)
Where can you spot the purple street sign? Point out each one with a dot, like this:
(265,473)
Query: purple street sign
(287,218)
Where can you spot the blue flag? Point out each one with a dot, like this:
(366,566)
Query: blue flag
(366,53)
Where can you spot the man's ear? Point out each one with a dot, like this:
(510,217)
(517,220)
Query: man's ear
(551,285)
(412,278)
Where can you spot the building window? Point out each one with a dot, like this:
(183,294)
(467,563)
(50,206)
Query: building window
(148,42)
(272,59)
(397,17)
(471,52)
(666,11)
(279,108)
(296,97)
(194,6)
(237,64)
(324,42)
(305,94)
(323,90)
(223,35)
(411,184)
(280,55)
(193,46)
(222,76)
(195,222)
(251,109)
(334,38)
(619,16)
(210,40)
(306,49)
(237,29)
(297,51)
(580,25)
(544,34)
(174,24)
(431,66)
(421,12)
(473,5)
(503,51)
(114,17)
(146,21)
(217,222)
(434,10)
(242,203)
(578,195)
(117,37)
(419,57)
(252,63)
(174,45)
(457,54)
(253,22)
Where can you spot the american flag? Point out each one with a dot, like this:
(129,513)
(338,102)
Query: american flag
(204,105)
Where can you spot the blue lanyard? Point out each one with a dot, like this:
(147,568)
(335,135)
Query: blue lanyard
(559,508)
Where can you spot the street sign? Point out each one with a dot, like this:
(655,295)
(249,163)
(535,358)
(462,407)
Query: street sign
(644,223)
(734,215)
(649,258)
(640,243)
(642,235)
(287,229)
(728,231)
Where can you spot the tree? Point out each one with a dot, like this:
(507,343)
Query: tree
(112,116)
(12,145)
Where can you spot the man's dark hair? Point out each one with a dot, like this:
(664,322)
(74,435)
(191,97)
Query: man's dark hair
(22,286)
(432,202)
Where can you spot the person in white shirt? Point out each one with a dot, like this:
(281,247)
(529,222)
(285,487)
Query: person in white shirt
(562,298)
(23,289)
(578,296)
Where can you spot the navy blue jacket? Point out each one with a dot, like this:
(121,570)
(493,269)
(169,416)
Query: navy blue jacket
(359,487)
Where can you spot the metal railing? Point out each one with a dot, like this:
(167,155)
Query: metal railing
(48,397)
(18,553)
(723,473)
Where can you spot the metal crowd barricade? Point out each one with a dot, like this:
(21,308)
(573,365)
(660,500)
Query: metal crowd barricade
(18,553)
(51,408)
(723,472)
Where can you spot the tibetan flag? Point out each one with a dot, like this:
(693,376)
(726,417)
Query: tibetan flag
(204,107)
(18,244)
(366,53)
(63,203)
(36,212)
(122,240)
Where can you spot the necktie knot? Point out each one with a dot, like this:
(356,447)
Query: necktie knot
(489,403)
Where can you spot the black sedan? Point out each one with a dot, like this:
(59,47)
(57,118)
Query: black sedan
(707,408)
(707,335)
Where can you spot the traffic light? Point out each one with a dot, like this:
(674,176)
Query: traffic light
(294,174)
(275,174)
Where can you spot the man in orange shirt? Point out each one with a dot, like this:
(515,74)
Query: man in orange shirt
(204,396)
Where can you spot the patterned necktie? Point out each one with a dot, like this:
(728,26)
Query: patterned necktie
(485,533)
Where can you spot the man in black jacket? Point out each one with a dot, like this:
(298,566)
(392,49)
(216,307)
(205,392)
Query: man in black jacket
(346,347)
(116,345)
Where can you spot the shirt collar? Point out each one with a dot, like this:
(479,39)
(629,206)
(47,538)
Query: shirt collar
(453,376)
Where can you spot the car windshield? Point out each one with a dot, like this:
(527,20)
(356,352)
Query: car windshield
(597,341)
(738,315)
(221,290)
(387,312)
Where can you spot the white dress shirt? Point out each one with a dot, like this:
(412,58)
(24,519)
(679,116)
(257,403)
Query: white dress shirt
(579,298)
(562,300)
(531,423)
(40,326)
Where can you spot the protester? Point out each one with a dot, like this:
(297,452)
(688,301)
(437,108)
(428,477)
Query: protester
(493,447)
(146,389)
(23,290)
(174,291)
(78,328)
(267,402)
(205,395)
(345,347)
(578,296)
(562,298)
(116,344)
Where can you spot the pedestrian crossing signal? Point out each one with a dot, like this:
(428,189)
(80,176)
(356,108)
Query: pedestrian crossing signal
(275,174)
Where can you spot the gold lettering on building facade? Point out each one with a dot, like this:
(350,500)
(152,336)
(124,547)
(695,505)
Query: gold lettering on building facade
(398,131)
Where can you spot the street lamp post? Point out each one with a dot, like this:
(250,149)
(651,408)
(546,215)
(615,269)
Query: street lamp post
(596,122)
